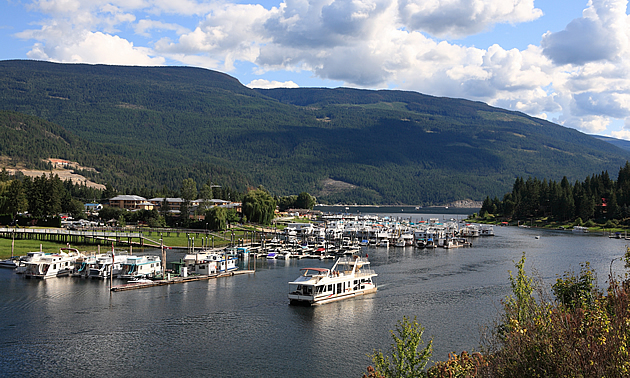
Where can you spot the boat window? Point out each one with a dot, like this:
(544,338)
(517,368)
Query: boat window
(330,288)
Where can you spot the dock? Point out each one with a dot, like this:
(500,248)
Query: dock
(176,280)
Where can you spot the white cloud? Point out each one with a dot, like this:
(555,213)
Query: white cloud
(591,124)
(229,33)
(457,18)
(266,84)
(143,27)
(600,34)
(621,134)
(96,48)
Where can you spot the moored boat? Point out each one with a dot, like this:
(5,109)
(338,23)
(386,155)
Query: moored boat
(102,266)
(51,265)
(140,267)
(8,263)
(30,257)
(349,277)
(205,263)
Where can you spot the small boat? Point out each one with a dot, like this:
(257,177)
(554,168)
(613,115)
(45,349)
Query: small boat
(486,230)
(349,277)
(537,237)
(8,263)
(139,281)
(580,229)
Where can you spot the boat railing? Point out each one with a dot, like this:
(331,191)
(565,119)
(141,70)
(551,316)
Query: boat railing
(365,273)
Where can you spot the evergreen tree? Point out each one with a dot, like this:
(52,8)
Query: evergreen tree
(16,198)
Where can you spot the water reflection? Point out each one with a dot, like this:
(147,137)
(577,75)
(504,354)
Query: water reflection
(242,326)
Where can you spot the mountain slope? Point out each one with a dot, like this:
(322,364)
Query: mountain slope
(154,126)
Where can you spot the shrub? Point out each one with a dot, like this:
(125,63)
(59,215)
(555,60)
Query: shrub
(406,360)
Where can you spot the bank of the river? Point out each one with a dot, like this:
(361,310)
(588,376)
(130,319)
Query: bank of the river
(179,239)
(552,225)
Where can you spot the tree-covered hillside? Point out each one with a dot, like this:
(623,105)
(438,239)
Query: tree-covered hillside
(155,126)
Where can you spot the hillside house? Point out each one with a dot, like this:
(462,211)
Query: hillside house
(131,202)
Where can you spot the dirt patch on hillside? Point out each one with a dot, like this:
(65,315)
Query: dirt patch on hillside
(64,175)
(60,170)
(330,186)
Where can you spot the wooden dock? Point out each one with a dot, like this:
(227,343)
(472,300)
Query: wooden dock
(61,235)
(176,280)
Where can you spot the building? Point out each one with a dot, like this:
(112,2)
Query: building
(131,202)
(174,204)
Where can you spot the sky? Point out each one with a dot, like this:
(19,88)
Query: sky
(567,61)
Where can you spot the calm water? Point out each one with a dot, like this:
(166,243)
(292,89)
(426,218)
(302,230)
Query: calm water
(242,326)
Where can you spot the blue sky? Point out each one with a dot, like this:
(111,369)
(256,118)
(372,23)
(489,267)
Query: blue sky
(565,61)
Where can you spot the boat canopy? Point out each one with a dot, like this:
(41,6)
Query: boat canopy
(321,270)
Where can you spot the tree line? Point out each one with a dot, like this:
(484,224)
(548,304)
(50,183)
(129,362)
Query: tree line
(598,198)
(47,196)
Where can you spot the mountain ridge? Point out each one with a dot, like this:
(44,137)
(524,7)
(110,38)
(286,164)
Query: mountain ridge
(155,126)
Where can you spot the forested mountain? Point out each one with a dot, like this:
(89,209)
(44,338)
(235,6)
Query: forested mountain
(155,126)
(621,143)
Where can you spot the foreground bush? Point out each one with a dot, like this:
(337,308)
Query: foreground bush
(584,332)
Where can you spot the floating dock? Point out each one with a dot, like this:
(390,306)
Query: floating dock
(176,280)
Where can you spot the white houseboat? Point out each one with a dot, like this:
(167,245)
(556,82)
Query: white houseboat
(51,265)
(208,262)
(141,267)
(102,266)
(30,257)
(348,278)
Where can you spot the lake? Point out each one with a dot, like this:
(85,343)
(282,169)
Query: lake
(242,326)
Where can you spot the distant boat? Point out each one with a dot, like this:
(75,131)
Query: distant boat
(537,237)
(580,229)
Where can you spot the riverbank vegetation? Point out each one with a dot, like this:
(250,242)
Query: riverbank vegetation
(580,331)
(598,201)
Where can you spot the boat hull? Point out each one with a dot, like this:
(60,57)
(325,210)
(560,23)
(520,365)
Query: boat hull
(308,300)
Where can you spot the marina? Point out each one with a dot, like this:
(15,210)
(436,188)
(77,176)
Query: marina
(167,329)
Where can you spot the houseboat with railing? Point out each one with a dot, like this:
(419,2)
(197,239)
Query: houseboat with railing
(103,265)
(51,265)
(350,276)
(141,267)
